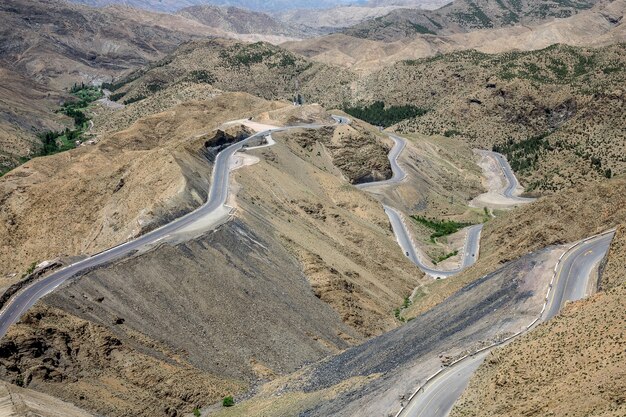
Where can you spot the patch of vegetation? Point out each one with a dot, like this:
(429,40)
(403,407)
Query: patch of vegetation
(445,256)
(422,29)
(435,23)
(379,115)
(196,412)
(154,87)
(116,96)
(440,227)
(246,56)
(75,108)
(202,76)
(524,155)
(475,17)
(398,311)
(113,86)
(134,99)
(54,142)
(30,269)
(452,132)
(228,401)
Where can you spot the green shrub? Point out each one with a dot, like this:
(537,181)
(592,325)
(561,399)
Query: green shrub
(379,115)
(228,401)
(440,227)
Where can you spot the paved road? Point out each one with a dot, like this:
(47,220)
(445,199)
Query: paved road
(571,283)
(398,173)
(403,236)
(582,262)
(511,179)
(218,194)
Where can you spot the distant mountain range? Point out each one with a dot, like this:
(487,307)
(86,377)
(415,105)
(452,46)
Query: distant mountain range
(258,5)
(465,16)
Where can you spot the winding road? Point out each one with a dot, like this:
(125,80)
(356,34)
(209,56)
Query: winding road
(573,277)
(398,174)
(470,248)
(401,231)
(211,213)
(511,190)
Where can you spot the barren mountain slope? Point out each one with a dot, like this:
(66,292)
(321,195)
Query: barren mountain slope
(574,363)
(259,68)
(258,5)
(372,378)
(564,217)
(464,16)
(259,297)
(16,402)
(557,113)
(90,365)
(91,198)
(61,43)
(26,107)
(596,27)
(47,46)
(242,21)
(308,267)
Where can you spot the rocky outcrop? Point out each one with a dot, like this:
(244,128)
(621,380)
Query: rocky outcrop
(71,358)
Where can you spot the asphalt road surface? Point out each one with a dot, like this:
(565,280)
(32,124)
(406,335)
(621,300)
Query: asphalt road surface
(512,182)
(398,173)
(470,249)
(218,194)
(403,236)
(571,283)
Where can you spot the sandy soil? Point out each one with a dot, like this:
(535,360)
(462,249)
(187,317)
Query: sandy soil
(18,402)
(494,181)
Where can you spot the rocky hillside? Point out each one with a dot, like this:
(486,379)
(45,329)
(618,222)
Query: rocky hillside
(564,217)
(258,5)
(259,68)
(574,363)
(598,26)
(242,21)
(98,200)
(48,46)
(464,16)
(558,113)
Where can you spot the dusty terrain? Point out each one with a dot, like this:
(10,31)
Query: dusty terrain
(259,68)
(596,27)
(370,379)
(465,16)
(88,199)
(87,364)
(17,402)
(292,216)
(561,218)
(48,46)
(572,365)
(556,113)
(242,21)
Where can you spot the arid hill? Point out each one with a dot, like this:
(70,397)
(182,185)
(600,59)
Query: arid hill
(598,26)
(339,17)
(464,16)
(47,46)
(259,68)
(558,113)
(574,363)
(242,21)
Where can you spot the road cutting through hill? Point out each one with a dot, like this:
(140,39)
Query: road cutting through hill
(211,214)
